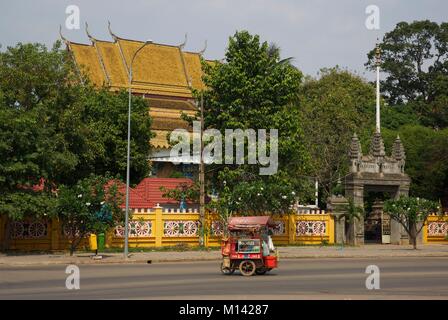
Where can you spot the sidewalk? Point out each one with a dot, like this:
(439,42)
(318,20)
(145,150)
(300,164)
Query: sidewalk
(368,251)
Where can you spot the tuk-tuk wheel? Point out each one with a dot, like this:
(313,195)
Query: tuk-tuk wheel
(226,270)
(247,267)
(261,271)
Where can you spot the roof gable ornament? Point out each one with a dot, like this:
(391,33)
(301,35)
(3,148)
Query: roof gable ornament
(111,33)
(62,36)
(88,34)
(205,48)
(67,43)
(182,45)
(182,58)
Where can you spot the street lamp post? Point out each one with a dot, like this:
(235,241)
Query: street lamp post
(126,227)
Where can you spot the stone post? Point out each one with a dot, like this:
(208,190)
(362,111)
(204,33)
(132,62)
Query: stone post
(158,225)
(207,227)
(109,238)
(337,207)
(355,191)
(55,234)
(2,229)
(292,228)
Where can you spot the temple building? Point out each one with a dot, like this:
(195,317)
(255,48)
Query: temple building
(165,75)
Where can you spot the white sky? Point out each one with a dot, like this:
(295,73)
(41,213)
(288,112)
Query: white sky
(316,33)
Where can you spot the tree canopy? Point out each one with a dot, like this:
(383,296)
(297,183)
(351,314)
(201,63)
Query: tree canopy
(92,205)
(411,213)
(55,130)
(333,107)
(426,160)
(415,58)
(255,89)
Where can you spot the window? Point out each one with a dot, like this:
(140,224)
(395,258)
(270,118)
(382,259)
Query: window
(249,246)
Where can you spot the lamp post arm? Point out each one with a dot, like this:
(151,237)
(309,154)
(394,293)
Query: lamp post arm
(132,61)
(128,156)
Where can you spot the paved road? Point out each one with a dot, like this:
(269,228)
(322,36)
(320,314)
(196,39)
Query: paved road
(401,278)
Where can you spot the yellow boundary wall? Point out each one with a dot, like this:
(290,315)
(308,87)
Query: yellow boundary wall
(435,229)
(158,227)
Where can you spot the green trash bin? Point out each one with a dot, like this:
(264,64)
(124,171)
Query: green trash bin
(101,241)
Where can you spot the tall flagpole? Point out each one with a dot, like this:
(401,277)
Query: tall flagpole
(378,61)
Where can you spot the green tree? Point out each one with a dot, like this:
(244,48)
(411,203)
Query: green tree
(73,129)
(255,89)
(411,213)
(55,130)
(415,58)
(103,117)
(90,206)
(182,192)
(426,160)
(334,107)
(27,80)
(393,117)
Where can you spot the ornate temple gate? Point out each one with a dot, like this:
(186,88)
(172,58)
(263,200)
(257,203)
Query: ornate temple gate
(377,172)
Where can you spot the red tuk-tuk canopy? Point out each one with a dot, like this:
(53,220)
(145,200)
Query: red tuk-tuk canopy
(254,222)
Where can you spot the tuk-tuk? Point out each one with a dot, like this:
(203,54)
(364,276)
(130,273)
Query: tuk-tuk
(248,246)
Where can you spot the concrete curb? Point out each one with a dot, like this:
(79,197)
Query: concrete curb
(181,260)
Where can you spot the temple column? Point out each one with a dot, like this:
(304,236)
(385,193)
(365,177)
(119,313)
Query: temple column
(338,207)
(398,234)
(355,191)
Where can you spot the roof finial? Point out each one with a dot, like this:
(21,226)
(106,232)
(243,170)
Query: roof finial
(377,53)
(203,50)
(110,31)
(355,151)
(398,150)
(377,146)
(88,33)
(182,45)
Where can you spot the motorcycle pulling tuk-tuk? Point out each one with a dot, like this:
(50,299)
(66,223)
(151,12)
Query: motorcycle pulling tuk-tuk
(248,246)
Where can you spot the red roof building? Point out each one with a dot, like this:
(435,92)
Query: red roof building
(135,200)
(147,193)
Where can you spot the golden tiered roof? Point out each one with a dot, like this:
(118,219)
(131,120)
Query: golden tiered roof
(164,74)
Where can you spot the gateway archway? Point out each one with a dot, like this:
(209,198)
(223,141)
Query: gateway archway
(377,173)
